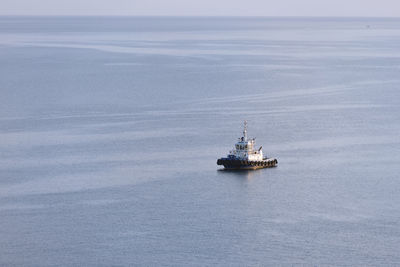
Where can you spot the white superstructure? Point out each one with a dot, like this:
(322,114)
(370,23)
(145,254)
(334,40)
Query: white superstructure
(244,148)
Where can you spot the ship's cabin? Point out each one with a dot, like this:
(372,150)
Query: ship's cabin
(245,149)
(245,146)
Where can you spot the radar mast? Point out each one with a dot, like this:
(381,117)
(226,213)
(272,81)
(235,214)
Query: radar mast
(245,131)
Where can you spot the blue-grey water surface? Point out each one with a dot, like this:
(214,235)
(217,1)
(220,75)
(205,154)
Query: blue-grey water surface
(110,129)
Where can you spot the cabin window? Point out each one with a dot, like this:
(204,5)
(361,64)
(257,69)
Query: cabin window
(237,147)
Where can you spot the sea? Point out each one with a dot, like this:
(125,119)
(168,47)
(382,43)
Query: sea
(110,129)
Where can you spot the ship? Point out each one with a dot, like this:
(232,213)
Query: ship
(245,157)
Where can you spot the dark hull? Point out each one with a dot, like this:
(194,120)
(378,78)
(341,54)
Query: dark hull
(236,164)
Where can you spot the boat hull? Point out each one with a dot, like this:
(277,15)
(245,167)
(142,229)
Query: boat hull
(236,164)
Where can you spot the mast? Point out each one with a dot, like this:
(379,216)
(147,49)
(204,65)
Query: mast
(245,131)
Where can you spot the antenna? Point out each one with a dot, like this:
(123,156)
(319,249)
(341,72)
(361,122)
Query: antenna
(245,131)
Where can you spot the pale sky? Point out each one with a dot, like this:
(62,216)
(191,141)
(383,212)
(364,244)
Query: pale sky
(374,8)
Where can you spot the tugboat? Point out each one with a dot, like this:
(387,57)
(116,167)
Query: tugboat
(244,156)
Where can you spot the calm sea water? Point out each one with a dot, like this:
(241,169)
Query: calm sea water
(110,129)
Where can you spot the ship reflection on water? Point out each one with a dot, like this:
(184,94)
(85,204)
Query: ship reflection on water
(240,173)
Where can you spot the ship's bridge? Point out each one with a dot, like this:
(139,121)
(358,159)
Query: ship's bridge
(245,145)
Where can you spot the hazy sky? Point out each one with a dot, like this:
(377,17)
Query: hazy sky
(388,8)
